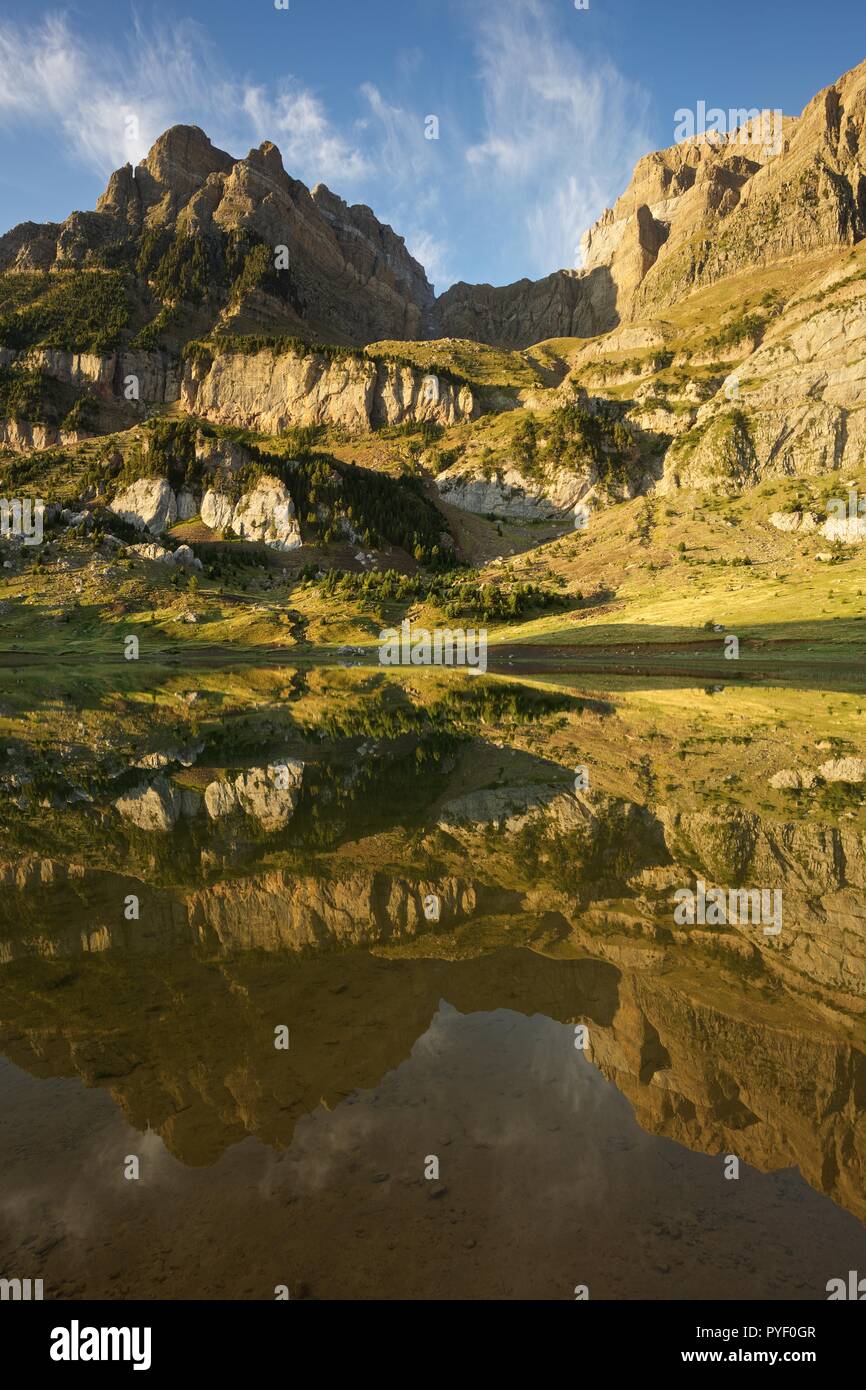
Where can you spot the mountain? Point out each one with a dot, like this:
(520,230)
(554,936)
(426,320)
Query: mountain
(703,210)
(694,213)
(196,230)
(697,390)
(194,233)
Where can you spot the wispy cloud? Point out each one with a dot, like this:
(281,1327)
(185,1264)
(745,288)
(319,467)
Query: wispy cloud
(50,77)
(112,101)
(434,253)
(562,133)
(557,137)
(296,120)
(415,178)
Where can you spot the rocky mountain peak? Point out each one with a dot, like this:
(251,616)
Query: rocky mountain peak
(176,167)
(705,208)
(183,157)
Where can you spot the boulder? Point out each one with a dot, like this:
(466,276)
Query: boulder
(216,510)
(151,551)
(183,558)
(148,503)
(851,770)
(270,795)
(789,780)
(794,521)
(152,806)
(268,514)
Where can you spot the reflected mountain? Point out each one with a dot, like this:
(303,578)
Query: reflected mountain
(341,867)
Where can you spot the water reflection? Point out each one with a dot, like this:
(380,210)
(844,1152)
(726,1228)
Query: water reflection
(206,872)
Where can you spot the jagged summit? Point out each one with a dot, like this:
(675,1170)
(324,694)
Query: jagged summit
(695,213)
(349,279)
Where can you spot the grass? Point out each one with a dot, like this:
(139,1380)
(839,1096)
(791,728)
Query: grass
(477,363)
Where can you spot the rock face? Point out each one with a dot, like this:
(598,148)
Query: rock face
(282,912)
(20,436)
(567,304)
(270,392)
(153,376)
(187,505)
(217,510)
(149,504)
(509,496)
(800,415)
(266,514)
(350,278)
(711,206)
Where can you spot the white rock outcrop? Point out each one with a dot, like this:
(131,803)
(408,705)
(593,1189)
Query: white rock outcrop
(794,521)
(511,496)
(850,530)
(849,769)
(790,780)
(269,795)
(216,510)
(148,503)
(187,505)
(266,513)
(152,806)
(151,551)
(270,392)
(182,558)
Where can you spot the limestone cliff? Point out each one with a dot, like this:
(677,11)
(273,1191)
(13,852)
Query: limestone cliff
(269,391)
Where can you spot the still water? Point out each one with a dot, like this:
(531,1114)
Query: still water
(332,985)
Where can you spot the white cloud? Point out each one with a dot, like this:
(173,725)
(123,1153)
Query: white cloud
(48,76)
(414,173)
(434,254)
(296,121)
(562,133)
(401,147)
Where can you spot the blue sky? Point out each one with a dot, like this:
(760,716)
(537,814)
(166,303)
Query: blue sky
(542,108)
